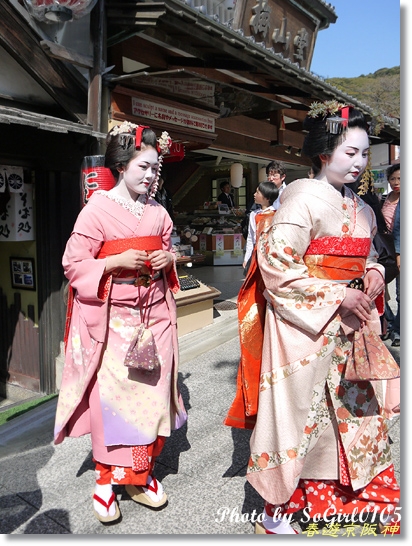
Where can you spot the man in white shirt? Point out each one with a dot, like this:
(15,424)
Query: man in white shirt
(276,173)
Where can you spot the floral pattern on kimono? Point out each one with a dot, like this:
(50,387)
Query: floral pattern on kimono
(101,322)
(305,404)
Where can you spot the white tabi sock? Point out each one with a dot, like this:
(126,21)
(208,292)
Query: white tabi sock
(155,485)
(104,492)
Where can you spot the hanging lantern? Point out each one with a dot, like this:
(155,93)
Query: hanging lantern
(262,176)
(94,176)
(59,11)
(236,175)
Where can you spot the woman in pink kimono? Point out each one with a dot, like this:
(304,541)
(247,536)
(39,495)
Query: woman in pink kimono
(320,442)
(122,272)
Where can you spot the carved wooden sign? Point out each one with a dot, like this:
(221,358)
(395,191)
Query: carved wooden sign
(278,25)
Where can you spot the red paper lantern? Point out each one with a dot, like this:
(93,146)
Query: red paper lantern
(59,11)
(95,176)
(176,153)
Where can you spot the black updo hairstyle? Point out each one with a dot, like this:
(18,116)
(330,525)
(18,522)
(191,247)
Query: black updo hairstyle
(121,148)
(320,141)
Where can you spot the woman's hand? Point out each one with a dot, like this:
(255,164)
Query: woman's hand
(357,303)
(374,283)
(161,259)
(129,259)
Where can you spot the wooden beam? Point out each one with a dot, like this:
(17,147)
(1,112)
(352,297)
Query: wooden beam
(98,35)
(63,83)
(291,138)
(299,115)
(245,145)
(249,127)
(65,54)
(209,62)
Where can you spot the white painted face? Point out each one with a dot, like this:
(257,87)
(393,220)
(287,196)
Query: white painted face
(349,160)
(141,171)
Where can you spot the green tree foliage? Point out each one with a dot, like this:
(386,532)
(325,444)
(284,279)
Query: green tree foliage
(380,90)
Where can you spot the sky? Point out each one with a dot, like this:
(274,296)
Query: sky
(365,38)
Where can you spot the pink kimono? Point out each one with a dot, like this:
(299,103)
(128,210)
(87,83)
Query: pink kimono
(119,406)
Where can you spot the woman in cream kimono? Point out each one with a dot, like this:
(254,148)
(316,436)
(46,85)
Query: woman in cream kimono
(119,262)
(320,442)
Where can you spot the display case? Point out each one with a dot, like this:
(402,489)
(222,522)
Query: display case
(216,235)
(221,248)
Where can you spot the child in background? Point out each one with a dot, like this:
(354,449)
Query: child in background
(265,195)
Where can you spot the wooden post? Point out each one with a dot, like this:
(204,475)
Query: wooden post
(98,36)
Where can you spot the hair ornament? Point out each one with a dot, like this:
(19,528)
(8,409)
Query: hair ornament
(139,132)
(335,113)
(366,184)
(164,143)
(125,127)
(376,125)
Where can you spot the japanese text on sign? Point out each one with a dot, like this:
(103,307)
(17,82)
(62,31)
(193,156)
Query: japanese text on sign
(175,116)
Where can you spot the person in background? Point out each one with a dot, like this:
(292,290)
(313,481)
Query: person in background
(276,173)
(122,273)
(164,197)
(265,195)
(313,429)
(225,197)
(396,231)
(365,189)
(393,174)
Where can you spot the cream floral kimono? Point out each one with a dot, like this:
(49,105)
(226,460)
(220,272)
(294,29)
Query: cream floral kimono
(305,405)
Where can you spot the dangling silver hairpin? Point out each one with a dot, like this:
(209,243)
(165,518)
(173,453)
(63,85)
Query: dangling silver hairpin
(335,125)
(126,140)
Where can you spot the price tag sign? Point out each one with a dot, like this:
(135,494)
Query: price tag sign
(202,242)
(220,245)
(237,241)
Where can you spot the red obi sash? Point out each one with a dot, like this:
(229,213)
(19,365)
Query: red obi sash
(117,246)
(337,258)
(109,248)
(340,246)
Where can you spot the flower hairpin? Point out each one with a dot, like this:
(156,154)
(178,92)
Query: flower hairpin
(164,143)
(330,111)
(323,109)
(125,127)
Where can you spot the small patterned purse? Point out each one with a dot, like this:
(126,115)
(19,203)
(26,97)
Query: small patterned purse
(370,359)
(142,352)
